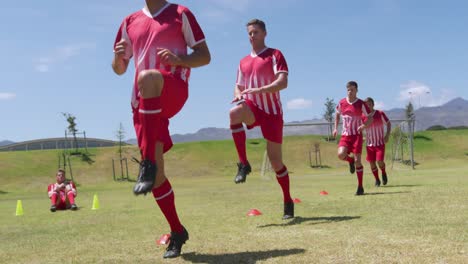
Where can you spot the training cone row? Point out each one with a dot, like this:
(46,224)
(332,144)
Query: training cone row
(95,202)
(19,208)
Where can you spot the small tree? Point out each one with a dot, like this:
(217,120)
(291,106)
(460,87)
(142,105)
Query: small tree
(72,128)
(329,114)
(120,134)
(409,111)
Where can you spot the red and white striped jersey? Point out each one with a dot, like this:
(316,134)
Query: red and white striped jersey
(375,132)
(351,113)
(173,27)
(257,70)
(69,187)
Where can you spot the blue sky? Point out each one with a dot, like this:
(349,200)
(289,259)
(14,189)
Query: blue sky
(57,55)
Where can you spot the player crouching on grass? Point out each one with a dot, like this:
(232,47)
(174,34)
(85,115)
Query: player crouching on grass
(351,109)
(376,141)
(62,193)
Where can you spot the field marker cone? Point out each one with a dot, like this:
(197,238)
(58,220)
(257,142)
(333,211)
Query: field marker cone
(19,208)
(323,193)
(95,202)
(164,239)
(297,200)
(254,212)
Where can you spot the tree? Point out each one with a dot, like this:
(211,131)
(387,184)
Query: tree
(72,128)
(409,111)
(120,134)
(329,114)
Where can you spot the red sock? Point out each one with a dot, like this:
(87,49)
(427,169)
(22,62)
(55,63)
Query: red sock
(349,159)
(383,170)
(53,198)
(165,198)
(282,176)
(360,172)
(375,171)
(238,134)
(150,112)
(71,197)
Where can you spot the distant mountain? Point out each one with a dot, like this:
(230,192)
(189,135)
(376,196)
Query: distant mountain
(6,142)
(452,113)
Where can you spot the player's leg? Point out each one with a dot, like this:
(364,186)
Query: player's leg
(71,200)
(359,173)
(275,156)
(239,114)
(371,158)
(164,196)
(150,84)
(343,154)
(53,201)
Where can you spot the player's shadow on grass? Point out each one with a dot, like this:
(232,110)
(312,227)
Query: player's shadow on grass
(241,257)
(314,220)
(379,193)
(3,192)
(401,185)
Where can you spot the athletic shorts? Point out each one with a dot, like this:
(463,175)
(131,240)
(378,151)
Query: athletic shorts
(375,153)
(173,98)
(271,125)
(352,143)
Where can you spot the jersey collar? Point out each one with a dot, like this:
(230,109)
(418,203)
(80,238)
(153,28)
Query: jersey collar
(253,55)
(148,14)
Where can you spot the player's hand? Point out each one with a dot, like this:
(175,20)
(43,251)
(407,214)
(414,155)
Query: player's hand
(237,98)
(335,133)
(386,138)
(360,128)
(167,57)
(120,49)
(252,91)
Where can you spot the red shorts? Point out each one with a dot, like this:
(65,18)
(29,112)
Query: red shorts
(375,153)
(62,201)
(352,143)
(271,125)
(173,98)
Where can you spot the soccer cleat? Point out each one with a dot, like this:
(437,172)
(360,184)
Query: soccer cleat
(360,191)
(352,167)
(175,246)
(74,207)
(377,183)
(288,210)
(146,177)
(384,179)
(53,208)
(242,171)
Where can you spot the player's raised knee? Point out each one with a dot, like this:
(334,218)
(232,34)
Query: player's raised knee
(150,83)
(235,114)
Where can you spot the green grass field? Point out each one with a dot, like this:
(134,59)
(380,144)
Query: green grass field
(420,217)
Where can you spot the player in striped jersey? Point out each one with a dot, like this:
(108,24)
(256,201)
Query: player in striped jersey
(376,139)
(261,76)
(351,110)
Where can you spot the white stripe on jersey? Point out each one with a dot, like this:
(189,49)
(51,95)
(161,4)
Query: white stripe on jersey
(265,102)
(273,104)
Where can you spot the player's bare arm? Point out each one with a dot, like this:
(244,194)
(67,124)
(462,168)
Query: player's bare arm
(237,93)
(120,63)
(279,84)
(337,119)
(389,130)
(369,120)
(199,57)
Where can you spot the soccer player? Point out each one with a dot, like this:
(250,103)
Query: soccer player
(157,38)
(62,193)
(261,76)
(376,140)
(351,109)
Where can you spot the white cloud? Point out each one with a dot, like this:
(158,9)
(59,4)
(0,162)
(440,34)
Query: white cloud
(7,96)
(379,105)
(60,55)
(299,103)
(422,95)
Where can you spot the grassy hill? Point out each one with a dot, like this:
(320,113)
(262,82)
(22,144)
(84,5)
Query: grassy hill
(420,217)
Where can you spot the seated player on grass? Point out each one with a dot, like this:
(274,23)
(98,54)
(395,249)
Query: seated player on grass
(62,193)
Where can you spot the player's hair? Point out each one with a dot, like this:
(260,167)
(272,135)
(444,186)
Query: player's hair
(257,22)
(369,99)
(352,83)
(62,171)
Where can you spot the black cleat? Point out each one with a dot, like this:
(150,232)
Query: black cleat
(146,177)
(352,167)
(53,208)
(74,207)
(175,246)
(242,171)
(377,183)
(384,179)
(288,210)
(360,191)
